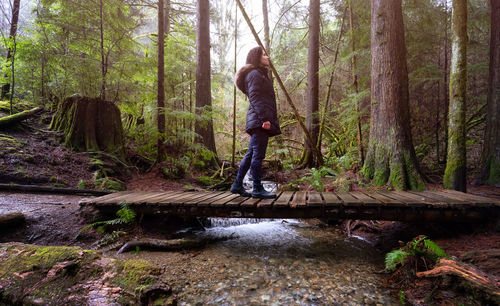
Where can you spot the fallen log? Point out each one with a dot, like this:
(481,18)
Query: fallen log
(16,118)
(11,219)
(485,282)
(168,245)
(49,189)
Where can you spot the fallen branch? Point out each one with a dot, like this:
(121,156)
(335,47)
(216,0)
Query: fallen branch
(487,283)
(12,119)
(169,245)
(48,189)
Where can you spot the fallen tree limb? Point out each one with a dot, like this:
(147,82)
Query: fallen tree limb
(487,283)
(48,189)
(16,118)
(11,219)
(169,245)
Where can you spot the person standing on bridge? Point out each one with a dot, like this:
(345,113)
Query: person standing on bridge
(261,122)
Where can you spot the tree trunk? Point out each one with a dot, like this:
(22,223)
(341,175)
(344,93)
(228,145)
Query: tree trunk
(312,107)
(233,152)
(103,57)
(12,35)
(161,82)
(267,40)
(361,154)
(204,127)
(455,173)
(390,157)
(490,158)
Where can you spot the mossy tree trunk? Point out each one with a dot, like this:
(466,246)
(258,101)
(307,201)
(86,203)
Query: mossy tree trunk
(490,158)
(455,173)
(90,124)
(161,82)
(390,157)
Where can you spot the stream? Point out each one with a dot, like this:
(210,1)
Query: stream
(266,262)
(277,262)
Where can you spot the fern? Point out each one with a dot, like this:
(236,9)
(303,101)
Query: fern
(419,247)
(125,215)
(393,258)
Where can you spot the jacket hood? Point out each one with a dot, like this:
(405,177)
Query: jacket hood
(239,78)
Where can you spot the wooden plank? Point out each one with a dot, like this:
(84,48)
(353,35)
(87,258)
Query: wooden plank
(222,201)
(283,199)
(385,200)
(141,199)
(165,196)
(250,202)
(314,199)
(454,203)
(236,201)
(401,201)
(299,199)
(125,197)
(331,199)
(196,200)
(109,196)
(421,199)
(478,200)
(208,201)
(268,203)
(366,199)
(349,200)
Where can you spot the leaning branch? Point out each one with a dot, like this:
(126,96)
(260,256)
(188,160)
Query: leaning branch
(288,99)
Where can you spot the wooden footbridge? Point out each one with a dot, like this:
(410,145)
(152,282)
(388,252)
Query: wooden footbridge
(383,205)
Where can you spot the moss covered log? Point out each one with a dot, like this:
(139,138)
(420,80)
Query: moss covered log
(90,124)
(18,117)
(36,275)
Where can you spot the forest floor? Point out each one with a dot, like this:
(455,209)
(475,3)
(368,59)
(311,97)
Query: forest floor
(30,154)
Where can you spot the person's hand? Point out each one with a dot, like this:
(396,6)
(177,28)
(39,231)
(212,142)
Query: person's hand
(266,125)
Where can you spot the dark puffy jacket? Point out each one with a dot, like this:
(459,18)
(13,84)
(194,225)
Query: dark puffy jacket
(259,89)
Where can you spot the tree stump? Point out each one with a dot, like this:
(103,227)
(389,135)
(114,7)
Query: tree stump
(90,124)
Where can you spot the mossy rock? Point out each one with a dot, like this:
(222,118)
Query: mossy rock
(38,275)
(343,185)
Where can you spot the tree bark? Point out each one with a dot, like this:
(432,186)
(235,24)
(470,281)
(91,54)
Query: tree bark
(267,40)
(490,158)
(204,128)
(161,82)
(104,68)
(312,107)
(391,156)
(233,152)
(361,153)
(455,173)
(13,32)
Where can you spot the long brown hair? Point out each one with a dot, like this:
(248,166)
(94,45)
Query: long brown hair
(254,56)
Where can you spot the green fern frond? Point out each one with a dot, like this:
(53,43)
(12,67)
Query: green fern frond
(393,258)
(434,249)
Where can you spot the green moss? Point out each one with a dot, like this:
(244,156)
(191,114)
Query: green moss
(494,177)
(135,275)
(397,177)
(204,180)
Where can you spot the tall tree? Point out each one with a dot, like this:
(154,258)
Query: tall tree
(12,37)
(390,157)
(161,81)
(361,154)
(204,126)
(455,173)
(267,40)
(490,158)
(312,107)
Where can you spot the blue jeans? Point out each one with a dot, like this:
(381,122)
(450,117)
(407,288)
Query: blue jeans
(254,156)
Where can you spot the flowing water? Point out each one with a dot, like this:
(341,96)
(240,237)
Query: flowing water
(278,262)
